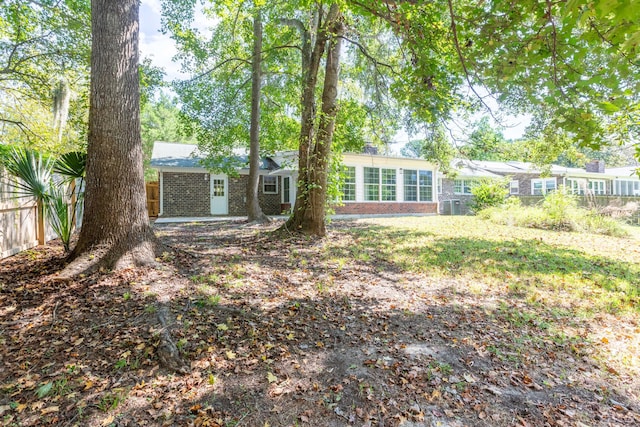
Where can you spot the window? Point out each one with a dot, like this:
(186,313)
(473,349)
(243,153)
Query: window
(542,186)
(388,185)
(626,188)
(349,184)
(269,184)
(371,184)
(514,186)
(418,185)
(410,185)
(598,187)
(576,186)
(462,186)
(426,186)
(439,184)
(286,189)
(218,187)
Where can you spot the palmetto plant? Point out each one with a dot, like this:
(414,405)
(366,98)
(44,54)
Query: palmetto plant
(35,179)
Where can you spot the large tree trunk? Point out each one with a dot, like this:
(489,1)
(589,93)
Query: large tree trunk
(115,227)
(308,213)
(254,211)
(115,230)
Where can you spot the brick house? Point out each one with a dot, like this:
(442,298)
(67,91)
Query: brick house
(374,184)
(526,179)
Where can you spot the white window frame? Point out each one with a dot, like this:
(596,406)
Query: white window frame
(286,192)
(351,184)
(514,187)
(543,181)
(465,186)
(576,185)
(598,187)
(418,186)
(264,184)
(439,185)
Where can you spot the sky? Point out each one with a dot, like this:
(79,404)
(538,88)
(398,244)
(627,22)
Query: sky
(161,49)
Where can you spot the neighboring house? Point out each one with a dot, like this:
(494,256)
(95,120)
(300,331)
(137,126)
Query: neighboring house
(526,179)
(374,184)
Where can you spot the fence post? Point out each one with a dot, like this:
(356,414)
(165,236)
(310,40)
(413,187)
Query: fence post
(40,215)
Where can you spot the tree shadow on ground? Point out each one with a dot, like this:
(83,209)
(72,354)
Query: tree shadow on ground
(276,348)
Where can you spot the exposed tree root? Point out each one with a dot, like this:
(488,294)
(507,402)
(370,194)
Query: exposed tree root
(128,255)
(167,350)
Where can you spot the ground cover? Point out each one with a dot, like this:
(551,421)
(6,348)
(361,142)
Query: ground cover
(413,322)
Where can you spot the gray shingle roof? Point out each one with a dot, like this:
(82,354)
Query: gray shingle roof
(172,155)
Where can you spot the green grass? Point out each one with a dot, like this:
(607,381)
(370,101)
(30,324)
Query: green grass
(587,272)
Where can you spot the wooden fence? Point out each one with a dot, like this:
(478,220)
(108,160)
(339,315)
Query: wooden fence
(153,198)
(19,221)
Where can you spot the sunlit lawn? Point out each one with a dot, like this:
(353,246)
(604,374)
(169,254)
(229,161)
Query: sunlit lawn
(554,278)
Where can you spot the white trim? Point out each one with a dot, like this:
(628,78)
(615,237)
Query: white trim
(283,189)
(544,185)
(225,179)
(161,190)
(263,184)
(512,187)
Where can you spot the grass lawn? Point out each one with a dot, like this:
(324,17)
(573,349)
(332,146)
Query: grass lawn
(416,321)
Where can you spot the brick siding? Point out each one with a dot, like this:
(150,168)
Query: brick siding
(385,208)
(186,194)
(270,203)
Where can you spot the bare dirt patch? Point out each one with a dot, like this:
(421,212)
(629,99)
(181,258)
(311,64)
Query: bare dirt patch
(282,330)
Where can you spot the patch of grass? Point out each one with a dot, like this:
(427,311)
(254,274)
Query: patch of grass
(111,400)
(558,211)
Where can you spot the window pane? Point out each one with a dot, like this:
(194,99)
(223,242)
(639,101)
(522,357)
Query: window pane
(269,184)
(410,185)
(349,185)
(286,189)
(371,175)
(388,184)
(426,186)
(218,188)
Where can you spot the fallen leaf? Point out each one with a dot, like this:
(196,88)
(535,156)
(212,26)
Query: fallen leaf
(271,378)
(49,410)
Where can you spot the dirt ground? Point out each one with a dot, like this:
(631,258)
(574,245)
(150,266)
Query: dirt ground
(277,333)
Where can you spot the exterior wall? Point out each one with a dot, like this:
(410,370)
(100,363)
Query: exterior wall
(360,161)
(378,208)
(186,194)
(448,195)
(270,203)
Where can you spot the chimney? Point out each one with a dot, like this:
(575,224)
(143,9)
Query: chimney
(596,166)
(369,148)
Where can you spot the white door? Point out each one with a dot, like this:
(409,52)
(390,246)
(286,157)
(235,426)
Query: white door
(219,197)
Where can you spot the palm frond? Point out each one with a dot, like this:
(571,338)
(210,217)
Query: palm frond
(33,171)
(58,211)
(71,165)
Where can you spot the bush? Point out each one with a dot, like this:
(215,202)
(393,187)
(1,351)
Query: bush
(558,211)
(489,193)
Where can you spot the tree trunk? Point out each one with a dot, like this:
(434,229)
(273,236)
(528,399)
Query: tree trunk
(254,211)
(115,227)
(318,172)
(115,231)
(313,160)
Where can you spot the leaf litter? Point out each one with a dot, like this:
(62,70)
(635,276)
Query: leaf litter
(284,330)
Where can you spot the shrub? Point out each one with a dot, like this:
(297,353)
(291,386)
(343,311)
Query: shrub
(558,211)
(488,193)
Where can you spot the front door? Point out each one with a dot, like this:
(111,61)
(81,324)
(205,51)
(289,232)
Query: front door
(219,189)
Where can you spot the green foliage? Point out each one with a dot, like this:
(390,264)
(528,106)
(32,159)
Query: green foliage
(160,120)
(558,211)
(34,173)
(41,45)
(60,214)
(489,192)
